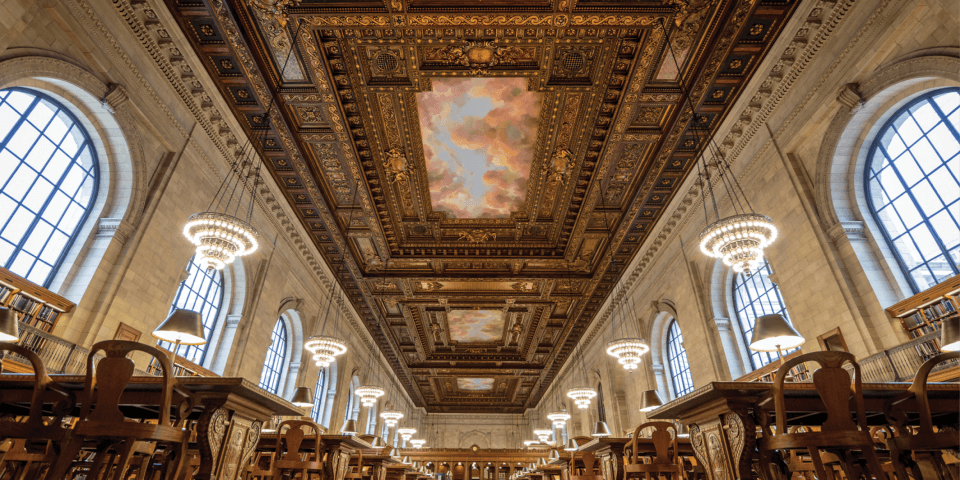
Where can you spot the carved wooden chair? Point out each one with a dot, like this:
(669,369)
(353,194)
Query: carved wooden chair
(850,442)
(104,426)
(355,471)
(36,438)
(666,459)
(589,469)
(907,444)
(290,456)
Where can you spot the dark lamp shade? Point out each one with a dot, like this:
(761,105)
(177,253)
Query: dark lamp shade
(772,333)
(650,400)
(600,429)
(185,326)
(950,334)
(349,427)
(302,397)
(9,331)
(378,443)
(571,445)
(406,459)
(554,454)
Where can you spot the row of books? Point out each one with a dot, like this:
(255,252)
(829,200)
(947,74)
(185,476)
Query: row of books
(31,311)
(942,308)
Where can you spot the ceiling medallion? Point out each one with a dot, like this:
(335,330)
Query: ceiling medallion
(481,56)
(627,351)
(391,417)
(325,349)
(582,396)
(368,395)
(275,8)
(559,419)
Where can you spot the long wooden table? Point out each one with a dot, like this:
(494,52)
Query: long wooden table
(610,452)
(229,413)
(338,450)
(722,421)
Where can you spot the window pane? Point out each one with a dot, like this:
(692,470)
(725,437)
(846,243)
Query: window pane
(925,253)
(24,153)
(273,364)
(677,359)
(207,302)
(755,295)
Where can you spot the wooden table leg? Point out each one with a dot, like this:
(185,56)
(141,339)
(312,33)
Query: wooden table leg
(226,440)
(725,445)
(611,465)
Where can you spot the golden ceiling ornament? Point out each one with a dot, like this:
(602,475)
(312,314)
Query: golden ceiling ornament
(275,8)
(476,236)
(480,55)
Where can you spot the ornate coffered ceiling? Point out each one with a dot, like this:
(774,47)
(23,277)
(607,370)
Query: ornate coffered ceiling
(478,173)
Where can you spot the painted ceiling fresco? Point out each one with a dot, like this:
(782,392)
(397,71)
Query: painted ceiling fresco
(475,384)
(478,139)
(475,326)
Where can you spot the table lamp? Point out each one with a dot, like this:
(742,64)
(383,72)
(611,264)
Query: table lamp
(9,332)
(650,400)
(349,427)
(302,397)
(950,334)
(773,333)
(182,327)
(378,443)
(600,429)
(571,446)
(554,455)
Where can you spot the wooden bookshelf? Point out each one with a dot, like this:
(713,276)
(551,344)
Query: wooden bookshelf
(922,313)
(767,372)
(33,304)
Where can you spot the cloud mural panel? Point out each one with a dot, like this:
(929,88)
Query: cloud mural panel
(475,384)
(478,142)
(473,326)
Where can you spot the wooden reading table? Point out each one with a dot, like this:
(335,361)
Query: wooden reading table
(723,425)
(229,413)
(338,450)
(610,452)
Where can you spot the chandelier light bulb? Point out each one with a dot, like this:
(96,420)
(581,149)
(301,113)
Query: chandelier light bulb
(581,396)
(406,433)
(559,419)
(391,417)
(542,434)
(368,395)
(628,351)
(417,442)
(739,240)
(220,238)
(325,349)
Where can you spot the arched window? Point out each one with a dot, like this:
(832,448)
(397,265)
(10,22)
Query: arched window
(48,181)
(276,355)
(319,396)
(913,186)
(371,421)
(677,359)
(754,296)
(202,292)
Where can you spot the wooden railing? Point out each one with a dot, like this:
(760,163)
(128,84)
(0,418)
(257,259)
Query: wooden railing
(61,356)
(900,363)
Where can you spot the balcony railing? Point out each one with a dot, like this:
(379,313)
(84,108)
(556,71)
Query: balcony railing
(900,363)
(61,356)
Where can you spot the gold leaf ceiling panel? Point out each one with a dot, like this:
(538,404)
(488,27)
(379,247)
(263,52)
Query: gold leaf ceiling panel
(478,174)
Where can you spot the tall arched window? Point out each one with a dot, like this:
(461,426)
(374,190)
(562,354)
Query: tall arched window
(202,292)
(677,360)
(319,394)
(754,296)
(48,181)
(276,356)
(913,186)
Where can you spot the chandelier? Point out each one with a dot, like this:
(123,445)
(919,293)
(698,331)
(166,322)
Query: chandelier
(581,396)
(417,442)
(627,351)
(406,433)
(220,238)
(325,349)
(527,443)
(559,419)
(368,395)
(391,417)
(739,240)
(542,434)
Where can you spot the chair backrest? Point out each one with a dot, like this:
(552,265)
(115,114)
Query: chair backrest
(106,382)
(664,443)
(589,460)
(918,390)
(290,442)
(833,386)
(41,385)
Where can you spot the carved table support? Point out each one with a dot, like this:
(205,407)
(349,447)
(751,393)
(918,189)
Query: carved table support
(724,445)
(226,439)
